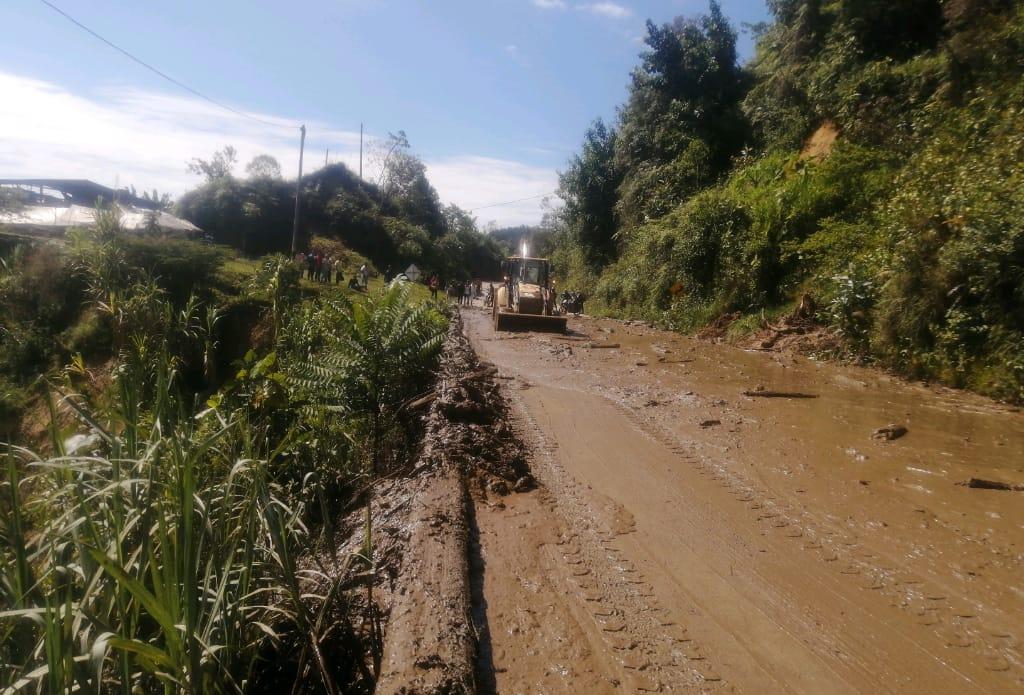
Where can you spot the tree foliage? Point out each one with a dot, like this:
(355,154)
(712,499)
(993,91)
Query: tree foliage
(219,166)
(682,123)
(263,166)
(868,156)
(589,187)
(394,222)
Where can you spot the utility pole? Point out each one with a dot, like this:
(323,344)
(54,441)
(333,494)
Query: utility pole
(326,153)
(360,151)
(298,192)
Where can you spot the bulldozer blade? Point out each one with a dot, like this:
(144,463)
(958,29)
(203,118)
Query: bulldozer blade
(507,321)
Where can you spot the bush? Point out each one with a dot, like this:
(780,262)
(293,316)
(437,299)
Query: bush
(90,336)
(955,291)
(180,267)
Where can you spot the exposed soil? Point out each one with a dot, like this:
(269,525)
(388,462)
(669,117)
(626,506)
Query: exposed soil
(688,537)
(426,533)
(820,143)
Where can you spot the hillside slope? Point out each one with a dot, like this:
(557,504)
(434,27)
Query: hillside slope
(868,161)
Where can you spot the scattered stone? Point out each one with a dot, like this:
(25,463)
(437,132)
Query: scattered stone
(498,487)
(635,661)
(857,456)
(983,484)
(524,484)
(889,432)
(613,625)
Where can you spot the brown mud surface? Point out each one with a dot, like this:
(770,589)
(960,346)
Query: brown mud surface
(425,529)
(688,537)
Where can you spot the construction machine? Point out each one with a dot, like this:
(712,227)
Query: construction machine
(525,300)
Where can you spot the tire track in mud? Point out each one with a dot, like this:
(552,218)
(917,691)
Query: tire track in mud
(955,623)
(653,649)
(848,566)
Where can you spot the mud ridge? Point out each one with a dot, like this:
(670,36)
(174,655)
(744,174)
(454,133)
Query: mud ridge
(431,640)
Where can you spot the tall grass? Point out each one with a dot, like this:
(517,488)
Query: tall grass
(164,560)
(170,551)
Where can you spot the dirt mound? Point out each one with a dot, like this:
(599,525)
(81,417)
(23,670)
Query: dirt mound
(717,329)
(430,646)
(797,331)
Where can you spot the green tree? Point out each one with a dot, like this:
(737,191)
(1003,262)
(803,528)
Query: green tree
(589,188)
(682,124)
(263,166)
(219,166)
(380,353)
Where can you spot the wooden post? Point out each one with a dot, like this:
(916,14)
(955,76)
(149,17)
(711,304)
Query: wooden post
(298,193)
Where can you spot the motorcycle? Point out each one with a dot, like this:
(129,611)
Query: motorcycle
(571,303)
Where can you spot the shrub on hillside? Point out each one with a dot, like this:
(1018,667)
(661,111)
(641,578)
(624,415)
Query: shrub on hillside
(956,286)
(180,267)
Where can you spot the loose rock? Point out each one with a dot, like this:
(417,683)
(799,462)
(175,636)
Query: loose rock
(889,432)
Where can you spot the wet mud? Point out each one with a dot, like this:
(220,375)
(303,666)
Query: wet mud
(428,549)
(691,534)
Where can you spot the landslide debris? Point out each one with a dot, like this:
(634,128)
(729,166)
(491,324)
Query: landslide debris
(429,642)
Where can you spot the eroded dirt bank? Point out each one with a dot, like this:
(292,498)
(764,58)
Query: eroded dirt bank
(426,527)
(690,537)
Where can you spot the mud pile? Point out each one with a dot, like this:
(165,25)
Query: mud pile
(469,425)
(430,646)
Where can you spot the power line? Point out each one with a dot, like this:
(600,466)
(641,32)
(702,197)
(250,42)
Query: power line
(162,74)
(509,202)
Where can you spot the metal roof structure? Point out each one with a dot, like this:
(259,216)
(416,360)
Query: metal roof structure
(50,206)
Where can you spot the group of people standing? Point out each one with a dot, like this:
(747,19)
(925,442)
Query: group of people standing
(464,292)
(320,267)
(461,291)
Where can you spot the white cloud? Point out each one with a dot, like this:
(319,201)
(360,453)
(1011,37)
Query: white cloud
(130,136)
(607,9)
(550,4)
(477,183)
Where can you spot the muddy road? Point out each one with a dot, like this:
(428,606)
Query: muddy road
(688,537)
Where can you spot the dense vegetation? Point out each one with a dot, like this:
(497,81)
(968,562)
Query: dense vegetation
(212,421)
(868,159)
(394,221)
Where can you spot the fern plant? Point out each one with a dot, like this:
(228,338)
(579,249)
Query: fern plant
(376,355)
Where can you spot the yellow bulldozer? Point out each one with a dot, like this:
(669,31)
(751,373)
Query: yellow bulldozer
(525,300)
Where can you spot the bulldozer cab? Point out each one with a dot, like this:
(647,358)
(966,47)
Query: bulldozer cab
(529,271)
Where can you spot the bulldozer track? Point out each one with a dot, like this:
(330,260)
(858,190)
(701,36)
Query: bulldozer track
(656,653)
(956,625)
(822,602)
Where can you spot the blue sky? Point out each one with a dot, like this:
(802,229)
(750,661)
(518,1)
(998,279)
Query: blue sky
(494,94)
